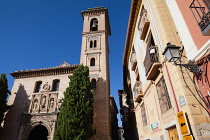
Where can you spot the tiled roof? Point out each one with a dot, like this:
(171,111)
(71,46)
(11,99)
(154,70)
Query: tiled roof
(64,68)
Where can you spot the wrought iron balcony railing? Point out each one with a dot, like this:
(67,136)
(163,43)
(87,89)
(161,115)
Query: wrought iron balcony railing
(151,57)
(201,12)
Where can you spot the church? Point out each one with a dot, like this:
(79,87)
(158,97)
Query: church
(36,94)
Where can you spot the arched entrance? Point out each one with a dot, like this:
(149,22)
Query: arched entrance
(38,133)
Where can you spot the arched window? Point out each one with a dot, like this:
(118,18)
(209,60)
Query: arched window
(91,44)
(55,86)
(38,86)
(92,62)
(93,83)
(94,24)
(95,43)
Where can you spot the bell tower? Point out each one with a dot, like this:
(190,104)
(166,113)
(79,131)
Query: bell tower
(95,55)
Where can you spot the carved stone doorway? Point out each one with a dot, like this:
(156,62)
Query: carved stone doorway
(40,132)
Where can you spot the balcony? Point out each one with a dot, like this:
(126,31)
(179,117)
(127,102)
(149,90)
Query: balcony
(152,63)
(143,24)
(133,61)
(137,91)
(201,12)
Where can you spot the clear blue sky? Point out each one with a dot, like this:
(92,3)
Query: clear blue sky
(44,33)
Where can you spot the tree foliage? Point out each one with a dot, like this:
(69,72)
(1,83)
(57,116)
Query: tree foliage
(3,95)
(75,118)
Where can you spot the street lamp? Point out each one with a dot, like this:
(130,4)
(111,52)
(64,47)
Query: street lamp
(172,54)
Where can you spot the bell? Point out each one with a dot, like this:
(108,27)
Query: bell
(94,25)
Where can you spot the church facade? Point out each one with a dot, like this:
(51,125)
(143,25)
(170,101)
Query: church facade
(36,94)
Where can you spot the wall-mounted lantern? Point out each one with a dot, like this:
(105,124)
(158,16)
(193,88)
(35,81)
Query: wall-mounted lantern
(172,54)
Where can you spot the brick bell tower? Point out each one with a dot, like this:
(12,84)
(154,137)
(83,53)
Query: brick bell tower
(95,55)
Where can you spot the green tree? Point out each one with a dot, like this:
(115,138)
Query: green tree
(75,118)
(3,96)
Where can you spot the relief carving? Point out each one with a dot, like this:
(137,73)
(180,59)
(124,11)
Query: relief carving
(46,87)
(35,104)
(44,103)
(59,103)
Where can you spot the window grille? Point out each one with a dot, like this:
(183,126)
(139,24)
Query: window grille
(163,96)
(143,115)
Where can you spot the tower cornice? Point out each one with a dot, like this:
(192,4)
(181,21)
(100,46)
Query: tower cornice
(94,11)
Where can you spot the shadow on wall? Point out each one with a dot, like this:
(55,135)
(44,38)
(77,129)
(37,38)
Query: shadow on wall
(12,120)
(100,109)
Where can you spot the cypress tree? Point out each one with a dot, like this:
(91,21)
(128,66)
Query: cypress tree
(3,96)
(75,118)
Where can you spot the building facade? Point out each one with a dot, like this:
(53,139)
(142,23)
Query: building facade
(166,102)
(36,94)
(35,98)
(114,120)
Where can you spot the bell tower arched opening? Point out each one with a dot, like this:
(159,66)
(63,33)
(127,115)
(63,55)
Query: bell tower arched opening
(94,24)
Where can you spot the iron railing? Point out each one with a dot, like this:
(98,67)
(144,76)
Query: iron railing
(151,57)
(201,13)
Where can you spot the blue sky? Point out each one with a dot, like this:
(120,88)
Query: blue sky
(44,33)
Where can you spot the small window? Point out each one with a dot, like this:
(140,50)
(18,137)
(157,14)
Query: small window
(94,24)
(95,43)
(38,86)
(91,44)
(55,85)
(93,83)
(92,62)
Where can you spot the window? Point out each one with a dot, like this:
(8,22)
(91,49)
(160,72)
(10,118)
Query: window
(95,43)
(163,96)
(143,115)
(55,85)
(92,62)
(38,86)
(93,82)
(94,24)
(91,44)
